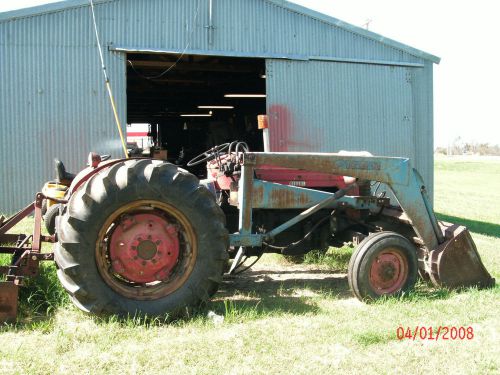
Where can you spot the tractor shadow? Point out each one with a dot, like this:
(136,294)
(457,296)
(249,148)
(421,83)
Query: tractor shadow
(265,290)
(488,229)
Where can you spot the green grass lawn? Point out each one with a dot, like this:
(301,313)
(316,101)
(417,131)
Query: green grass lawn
(280,325)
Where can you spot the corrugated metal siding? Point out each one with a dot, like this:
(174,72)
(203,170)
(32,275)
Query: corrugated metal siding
(423,138)
(254,26)
(53,102)
(328,107)
(355,107)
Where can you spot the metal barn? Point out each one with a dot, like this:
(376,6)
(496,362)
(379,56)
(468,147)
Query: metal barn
(325,85)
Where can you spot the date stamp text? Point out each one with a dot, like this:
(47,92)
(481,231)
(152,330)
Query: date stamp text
(452,333)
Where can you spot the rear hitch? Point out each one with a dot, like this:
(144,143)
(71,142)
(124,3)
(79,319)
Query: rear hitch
(26,256)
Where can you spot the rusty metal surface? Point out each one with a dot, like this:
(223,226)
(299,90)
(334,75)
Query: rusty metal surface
(287,198)
(28,265)
(36,244)
(8,302)
(11,238)
(245,197)
(279,196)
(303,215)
(390,170)
(456,263)
(404,181)
(272,195)
(16,218)
(296,177)
(397,214)
(26,257)
(144,247)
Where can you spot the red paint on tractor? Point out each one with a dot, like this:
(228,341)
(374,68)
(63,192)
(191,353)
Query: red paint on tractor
(222,182)
(388,272)
(301,178)
(285,176)
(87,173)
(144,248)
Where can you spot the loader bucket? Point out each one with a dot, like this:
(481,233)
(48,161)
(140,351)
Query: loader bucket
(456,262)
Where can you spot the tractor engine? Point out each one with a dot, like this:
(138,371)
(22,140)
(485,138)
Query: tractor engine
(313,233)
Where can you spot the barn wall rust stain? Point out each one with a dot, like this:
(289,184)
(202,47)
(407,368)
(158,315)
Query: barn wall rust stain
(281,126)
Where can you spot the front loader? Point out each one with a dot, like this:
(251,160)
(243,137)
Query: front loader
(145,236)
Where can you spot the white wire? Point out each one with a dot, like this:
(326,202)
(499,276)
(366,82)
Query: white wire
(108,85)
(98,42)
(190,38)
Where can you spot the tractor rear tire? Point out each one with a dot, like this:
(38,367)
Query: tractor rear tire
(384,264)
(141,237)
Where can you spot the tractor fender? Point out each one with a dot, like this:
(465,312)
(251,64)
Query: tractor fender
(87,173)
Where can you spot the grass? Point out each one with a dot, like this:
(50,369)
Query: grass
(335,258)
(469,191)
(275,324)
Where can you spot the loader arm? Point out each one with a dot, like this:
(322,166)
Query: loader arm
(397,173)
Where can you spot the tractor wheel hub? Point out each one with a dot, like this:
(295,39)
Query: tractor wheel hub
(147,250)
(144,248)
(388,272)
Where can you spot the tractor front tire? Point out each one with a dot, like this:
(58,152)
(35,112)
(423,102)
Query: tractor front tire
(384,264)
(141,237)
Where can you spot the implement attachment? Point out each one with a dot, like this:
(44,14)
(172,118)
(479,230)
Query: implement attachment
(26,256)
(456,262)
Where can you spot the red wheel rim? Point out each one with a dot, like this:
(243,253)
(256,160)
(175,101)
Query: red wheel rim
(388,271)
(146,250)
(144,247)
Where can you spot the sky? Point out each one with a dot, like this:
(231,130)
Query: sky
(463,33)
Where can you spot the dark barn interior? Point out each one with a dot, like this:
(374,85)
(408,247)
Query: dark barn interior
(185,100)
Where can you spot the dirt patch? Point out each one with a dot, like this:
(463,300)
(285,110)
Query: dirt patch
(296,280)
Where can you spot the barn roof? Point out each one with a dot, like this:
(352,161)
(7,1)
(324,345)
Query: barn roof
(68,4)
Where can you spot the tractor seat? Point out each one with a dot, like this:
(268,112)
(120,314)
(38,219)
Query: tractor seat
(62,176)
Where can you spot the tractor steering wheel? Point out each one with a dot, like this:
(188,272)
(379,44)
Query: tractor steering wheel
(208,155)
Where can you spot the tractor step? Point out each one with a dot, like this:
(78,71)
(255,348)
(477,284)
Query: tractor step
(8,301)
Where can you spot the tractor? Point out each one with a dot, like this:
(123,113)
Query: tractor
(145,236)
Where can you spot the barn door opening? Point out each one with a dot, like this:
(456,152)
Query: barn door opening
(190,103)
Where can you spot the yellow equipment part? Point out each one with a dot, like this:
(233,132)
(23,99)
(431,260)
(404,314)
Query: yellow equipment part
(54,190)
